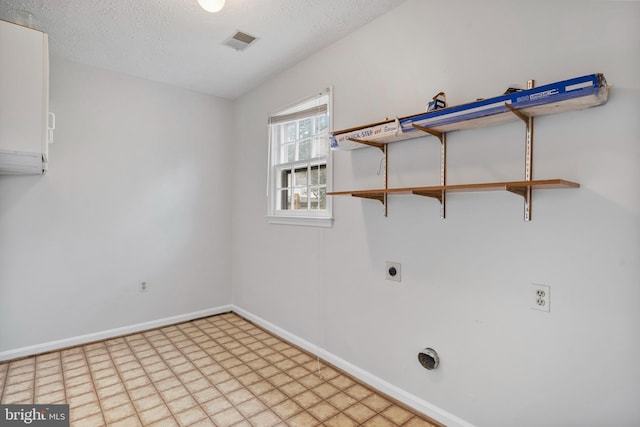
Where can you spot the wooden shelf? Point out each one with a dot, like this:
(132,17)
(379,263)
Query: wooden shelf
(568,95)
(574,94)
(517,187)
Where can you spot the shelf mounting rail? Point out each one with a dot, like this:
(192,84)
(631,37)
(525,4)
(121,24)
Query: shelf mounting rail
(525,192)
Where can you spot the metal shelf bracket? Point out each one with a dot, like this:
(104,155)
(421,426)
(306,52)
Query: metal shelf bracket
(378,197)
(378,145)
(520,191)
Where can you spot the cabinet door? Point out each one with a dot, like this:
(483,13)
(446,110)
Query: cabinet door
(23,88)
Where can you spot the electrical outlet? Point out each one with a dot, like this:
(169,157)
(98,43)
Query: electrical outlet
(540,297)
(143,286)
(393,271)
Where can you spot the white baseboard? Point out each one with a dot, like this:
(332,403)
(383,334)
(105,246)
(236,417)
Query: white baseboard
(391,390)
(109,333)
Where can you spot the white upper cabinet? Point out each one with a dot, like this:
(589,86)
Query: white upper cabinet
(24,100)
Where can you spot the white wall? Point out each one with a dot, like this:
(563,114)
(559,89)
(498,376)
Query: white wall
(466,280)
(137,189)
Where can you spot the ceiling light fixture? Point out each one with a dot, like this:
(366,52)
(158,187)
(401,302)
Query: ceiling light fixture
(212,6)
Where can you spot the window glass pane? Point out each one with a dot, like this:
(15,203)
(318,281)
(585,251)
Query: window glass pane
(283,201)
(304,150)
(313,198)
(322,198)
(299,198)
(322,123)
(313,175)
(285,178)
(305,130)
(300,178)
(290,131)
(320,146)
(288,153)
(318,175)
(317,198)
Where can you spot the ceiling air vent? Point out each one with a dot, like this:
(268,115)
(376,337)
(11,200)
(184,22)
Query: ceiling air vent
(239,41)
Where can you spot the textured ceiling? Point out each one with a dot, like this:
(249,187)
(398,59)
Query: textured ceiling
(176,42)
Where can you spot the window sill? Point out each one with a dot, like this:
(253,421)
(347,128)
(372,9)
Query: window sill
(300,220)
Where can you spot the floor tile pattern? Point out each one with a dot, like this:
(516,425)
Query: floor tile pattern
(217,371)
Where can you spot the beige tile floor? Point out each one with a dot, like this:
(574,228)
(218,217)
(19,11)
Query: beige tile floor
(217,371)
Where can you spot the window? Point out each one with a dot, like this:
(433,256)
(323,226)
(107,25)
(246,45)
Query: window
(299,163)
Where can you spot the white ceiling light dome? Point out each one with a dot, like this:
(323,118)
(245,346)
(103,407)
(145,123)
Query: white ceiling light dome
(212,6)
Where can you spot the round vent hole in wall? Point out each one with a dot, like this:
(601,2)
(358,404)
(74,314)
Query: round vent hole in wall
(429,359)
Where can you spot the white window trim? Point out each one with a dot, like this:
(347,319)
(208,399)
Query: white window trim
(304,218)
(306,221)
